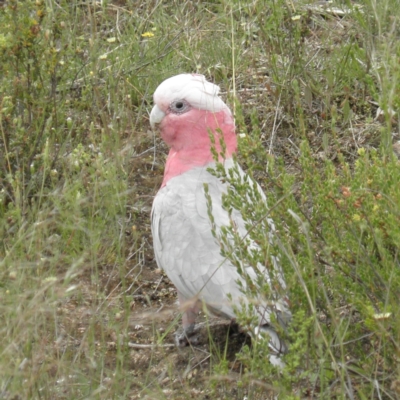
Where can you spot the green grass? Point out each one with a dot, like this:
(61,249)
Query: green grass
(78,170)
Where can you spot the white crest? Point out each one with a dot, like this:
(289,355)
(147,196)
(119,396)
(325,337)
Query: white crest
(193,88)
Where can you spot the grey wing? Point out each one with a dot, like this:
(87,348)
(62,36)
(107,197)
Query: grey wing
(277,301)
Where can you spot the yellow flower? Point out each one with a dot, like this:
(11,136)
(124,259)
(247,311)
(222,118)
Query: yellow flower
(148,34)
(356,217)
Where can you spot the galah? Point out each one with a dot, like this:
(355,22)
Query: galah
(187,110)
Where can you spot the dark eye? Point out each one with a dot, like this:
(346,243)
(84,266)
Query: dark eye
(179,106)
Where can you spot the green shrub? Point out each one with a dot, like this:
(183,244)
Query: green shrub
(338,235)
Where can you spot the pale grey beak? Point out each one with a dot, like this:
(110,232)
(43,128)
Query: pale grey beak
(156,116)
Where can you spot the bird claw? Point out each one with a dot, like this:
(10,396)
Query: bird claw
(187,337)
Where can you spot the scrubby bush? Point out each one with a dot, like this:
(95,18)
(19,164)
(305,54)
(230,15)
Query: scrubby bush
(338,242)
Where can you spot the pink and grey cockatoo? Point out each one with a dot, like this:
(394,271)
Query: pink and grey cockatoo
(187,109)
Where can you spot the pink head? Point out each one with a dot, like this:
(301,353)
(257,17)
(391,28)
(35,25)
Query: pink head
(187,109)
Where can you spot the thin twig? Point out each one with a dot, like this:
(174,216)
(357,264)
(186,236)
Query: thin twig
(149,346)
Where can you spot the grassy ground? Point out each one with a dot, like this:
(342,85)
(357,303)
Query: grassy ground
(315,91)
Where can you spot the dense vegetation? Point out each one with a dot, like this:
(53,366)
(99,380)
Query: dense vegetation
(316,94)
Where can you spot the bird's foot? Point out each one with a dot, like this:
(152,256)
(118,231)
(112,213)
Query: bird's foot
(187,337)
